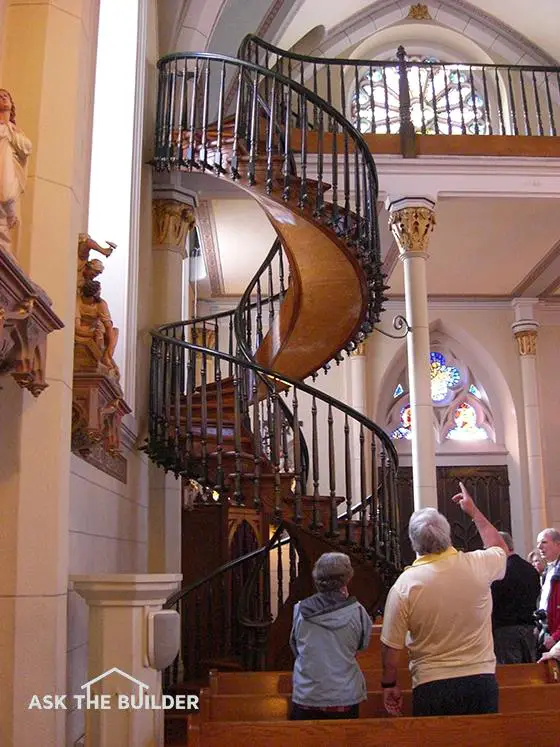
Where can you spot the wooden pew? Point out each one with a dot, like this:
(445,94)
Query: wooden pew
(540,729)
(259,707)
(271,683)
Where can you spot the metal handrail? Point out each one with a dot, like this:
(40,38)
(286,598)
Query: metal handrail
(283,380)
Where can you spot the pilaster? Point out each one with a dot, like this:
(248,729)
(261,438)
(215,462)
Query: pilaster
(525,331)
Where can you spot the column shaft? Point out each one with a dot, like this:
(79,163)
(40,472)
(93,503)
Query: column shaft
(418,353)
(525,331)
(411,221)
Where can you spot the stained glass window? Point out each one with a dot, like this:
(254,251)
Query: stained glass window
(466,428)
(443,377)
(405,428)
(398,391)
(443,100)
(475,391)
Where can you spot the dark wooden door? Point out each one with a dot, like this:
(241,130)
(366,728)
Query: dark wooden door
(488,485)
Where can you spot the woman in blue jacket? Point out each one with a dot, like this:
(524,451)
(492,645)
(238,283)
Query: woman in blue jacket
(328,629)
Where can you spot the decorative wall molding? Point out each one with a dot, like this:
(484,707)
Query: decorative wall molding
(26,318)
(459,176)
(485,30)
(209,241)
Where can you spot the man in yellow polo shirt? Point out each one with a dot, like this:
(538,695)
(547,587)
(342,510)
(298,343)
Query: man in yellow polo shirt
(440,608)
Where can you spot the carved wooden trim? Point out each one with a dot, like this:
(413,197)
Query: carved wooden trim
(26,318)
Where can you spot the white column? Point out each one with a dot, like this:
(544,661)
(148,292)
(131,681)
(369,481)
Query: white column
(357,400)
(411,221)
(119,605)
(525,330)
(172,219)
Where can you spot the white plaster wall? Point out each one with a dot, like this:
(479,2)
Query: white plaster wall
(548,362)
(484,335)
(108,534)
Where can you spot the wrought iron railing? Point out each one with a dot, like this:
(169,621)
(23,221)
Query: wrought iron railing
(258,144)
(211,430)
(426,96)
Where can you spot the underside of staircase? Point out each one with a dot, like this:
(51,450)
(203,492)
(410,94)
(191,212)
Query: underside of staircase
(275,472)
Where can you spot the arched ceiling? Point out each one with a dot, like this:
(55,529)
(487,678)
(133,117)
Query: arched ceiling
(538,21)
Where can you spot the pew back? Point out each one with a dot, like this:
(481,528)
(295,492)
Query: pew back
(500,730)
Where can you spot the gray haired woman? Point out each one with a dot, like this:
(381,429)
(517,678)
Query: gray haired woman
(328,629)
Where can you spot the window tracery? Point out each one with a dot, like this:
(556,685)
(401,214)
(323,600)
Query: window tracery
(443,99)
(460,405)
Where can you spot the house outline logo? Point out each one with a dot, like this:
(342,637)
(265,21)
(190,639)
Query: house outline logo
(114,670)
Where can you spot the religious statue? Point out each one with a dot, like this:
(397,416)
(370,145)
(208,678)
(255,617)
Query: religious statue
(15,149)
(94,329)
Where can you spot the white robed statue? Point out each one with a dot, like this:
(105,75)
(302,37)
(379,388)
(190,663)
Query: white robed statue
(15,149)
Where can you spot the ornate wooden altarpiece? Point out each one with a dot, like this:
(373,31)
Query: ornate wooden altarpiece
(26,318)
(98,404)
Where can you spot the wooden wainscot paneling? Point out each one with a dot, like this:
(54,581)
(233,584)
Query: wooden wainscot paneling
(26,318)
(98,404)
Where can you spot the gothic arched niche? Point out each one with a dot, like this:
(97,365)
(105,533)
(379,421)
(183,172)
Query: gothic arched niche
(462,409)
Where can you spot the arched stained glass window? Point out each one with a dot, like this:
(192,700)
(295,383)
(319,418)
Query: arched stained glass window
(444,99)
(466,428)
(404,430)
(461,411)
(443,377)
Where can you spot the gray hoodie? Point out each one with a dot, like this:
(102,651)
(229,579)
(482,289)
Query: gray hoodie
(327,631)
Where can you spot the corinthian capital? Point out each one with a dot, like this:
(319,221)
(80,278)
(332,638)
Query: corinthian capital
(525,332)
(411,221)
(171,222)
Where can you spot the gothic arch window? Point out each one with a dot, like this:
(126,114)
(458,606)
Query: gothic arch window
(460,405)
(445,100)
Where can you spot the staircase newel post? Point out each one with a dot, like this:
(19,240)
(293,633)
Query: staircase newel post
(407,134)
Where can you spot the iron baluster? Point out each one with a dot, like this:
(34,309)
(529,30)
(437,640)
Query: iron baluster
(364,529)
(434,100)
(236,126)
(237,493)
(253,142)
(473,100)
(257,450)
(203,154)
(316,523)
(421,101)
(333,508)
(461,103)
(487,101)
(348,480)
(549,106)
(512,102)
(538,105)
(371,99)
(524,103)
(298,514)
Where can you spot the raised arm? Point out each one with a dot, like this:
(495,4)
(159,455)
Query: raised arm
(488,532)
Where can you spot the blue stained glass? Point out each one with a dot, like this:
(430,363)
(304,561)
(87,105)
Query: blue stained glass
(398,391)
(475,390)
(443,377)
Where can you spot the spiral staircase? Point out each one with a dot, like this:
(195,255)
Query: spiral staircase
(275,471)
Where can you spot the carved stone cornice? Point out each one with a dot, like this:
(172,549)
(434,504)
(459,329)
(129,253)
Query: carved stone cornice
(171,223)
(26,318)
(411,227)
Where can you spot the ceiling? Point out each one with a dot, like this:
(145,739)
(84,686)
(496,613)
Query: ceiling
(539,21)
(491,247)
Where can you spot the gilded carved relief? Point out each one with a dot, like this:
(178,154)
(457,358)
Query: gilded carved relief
(26,318)
(98,400)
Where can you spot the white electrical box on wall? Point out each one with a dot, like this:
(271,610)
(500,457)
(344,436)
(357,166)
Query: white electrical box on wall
(164,638)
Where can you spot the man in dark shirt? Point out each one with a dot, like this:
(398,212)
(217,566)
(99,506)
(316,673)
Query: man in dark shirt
(514,601)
